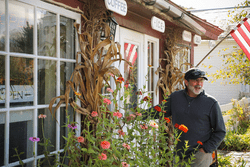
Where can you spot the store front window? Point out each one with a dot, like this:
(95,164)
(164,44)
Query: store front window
(37,57)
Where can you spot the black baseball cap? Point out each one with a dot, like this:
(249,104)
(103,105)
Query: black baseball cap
(195,73)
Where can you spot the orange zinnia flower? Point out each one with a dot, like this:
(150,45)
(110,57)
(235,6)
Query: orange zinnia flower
(80,139)
(199,142)
(183,128)
(150,65)
(157,108)
(77,94)
(213,155)
(164,101)
(120,79)
(167,119)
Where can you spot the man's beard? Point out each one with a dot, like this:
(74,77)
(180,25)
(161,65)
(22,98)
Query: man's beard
(193,90)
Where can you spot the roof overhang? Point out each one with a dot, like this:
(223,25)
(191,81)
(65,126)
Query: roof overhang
(174,15)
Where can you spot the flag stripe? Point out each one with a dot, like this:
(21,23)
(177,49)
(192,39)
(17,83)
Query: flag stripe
(237,37)
(244,33)
(247,24)
(241,34)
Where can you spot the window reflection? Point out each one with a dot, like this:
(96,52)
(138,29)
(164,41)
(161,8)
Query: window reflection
(65,73)
(151,70)
(46,81)
(2,140)
(49,127)
(64,121)
(46,33)
(21,25)
(21,128)
(2,25)
(67,42)
(2,81)
(21,81)
(130,73)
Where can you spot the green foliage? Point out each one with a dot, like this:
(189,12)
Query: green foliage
(236,68)
(237,139)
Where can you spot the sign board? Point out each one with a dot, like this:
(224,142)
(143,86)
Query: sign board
(18,93)
(117,6)
(186,36)
(157,24)
(197,39)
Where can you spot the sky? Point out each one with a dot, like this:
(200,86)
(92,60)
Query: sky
(207,4)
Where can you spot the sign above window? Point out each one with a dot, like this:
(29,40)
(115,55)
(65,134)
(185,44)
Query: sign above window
(117,6)
(186,36)
(197,39)
(157,24)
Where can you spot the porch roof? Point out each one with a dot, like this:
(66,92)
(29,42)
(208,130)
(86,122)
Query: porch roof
(175,16)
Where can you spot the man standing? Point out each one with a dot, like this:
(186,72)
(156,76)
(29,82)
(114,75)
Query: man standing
(200,113)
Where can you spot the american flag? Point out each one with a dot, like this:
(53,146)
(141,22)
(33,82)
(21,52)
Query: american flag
(241,34)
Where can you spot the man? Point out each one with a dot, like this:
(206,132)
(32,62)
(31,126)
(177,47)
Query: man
(200,113)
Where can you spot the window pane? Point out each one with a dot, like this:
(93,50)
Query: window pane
(65,73)
(21,82)
(67,38)
(2,132)
(131,75)
(46,81)
(64,121)
(21,27)
(46,33)
(2,81)
(21,129)
(152,53)
(2,26)
(46,127)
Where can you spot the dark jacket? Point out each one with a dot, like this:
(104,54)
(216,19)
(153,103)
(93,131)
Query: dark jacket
(201,115)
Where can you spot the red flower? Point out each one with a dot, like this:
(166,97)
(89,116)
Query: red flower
(157,108)
(80,139)
(138,93)
(183,128)
(164,101)
(121,133)
(124,164)
(199,142)
(164,111)
(146,98)
(144,126)
(176,125)
(126,86)
(167,119)
(120,79)
(105,144)
(103,157)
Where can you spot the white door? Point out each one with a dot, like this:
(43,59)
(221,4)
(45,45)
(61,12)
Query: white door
(142,51)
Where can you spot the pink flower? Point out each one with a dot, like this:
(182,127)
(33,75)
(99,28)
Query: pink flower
(34,139)
(132,115)
(80,139)
(73,126)
(42,116)
(124,164)
(144,126)
(121,133)
(103,157)
(112,75)
(94,114)
(110,90)
(153,124)
(138,114)
(126,146)
(107,101)
(117,114)
(105,144)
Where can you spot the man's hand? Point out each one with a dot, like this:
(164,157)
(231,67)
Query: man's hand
(201,150)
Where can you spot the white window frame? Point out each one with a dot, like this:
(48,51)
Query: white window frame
(59,11)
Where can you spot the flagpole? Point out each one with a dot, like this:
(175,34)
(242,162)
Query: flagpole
(212,49)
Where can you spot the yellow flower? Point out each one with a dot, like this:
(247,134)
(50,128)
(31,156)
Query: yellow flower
(77,94)
(150,65)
